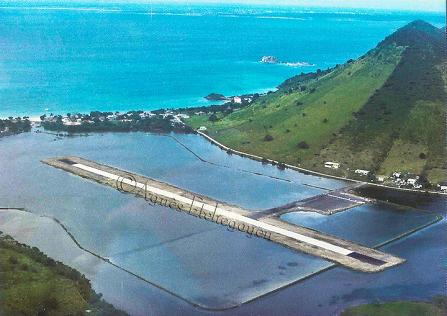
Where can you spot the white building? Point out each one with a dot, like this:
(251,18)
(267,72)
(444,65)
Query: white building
(381,178)
(396,174)
(332,165)
(176,120)
(70,123)
(237,100)
(362,172)
(411,182)
(202,128)
(443,187)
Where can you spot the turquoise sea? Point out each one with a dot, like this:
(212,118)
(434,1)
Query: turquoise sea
(79,58)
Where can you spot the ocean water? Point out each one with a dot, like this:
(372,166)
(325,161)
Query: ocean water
(77,58)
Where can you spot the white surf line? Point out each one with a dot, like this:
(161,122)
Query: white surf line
(220,211)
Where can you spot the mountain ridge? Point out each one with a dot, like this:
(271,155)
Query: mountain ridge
(381,112)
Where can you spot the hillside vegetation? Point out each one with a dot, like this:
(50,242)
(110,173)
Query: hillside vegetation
(437,307)
(384,112)
(34,284)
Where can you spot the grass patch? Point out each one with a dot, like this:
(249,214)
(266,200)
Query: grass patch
(33,284)
(403,308)
(312,117)
(404,157)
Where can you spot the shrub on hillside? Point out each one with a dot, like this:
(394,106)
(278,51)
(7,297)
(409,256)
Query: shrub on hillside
(268,138)
(303,145)
(13,260)
(213,118)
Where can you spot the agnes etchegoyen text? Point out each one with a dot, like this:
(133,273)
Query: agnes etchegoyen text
(190,209)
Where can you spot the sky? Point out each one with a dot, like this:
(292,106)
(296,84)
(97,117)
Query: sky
(412,5)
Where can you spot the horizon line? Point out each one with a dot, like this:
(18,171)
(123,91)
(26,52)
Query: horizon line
(206,3)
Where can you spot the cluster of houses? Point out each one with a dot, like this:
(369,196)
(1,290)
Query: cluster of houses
(235,100)
(79,119)
(173,117)
(245,99)
(405,180)
(399,179)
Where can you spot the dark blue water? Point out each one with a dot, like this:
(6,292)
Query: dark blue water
(78,58)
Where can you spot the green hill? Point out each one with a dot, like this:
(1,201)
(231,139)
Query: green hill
(384,112)
(34,284)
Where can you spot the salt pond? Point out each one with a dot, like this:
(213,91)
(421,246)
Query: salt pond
(201,263)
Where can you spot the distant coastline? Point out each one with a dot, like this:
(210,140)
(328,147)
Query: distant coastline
(145,79)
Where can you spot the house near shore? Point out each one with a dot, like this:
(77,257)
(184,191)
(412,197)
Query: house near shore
(70,123)
(202,129)
(362,172)
(332,165)
(237,100)
(146,114)
(381,178)
(442,187)
(414,182)
(176,119)
(183,116)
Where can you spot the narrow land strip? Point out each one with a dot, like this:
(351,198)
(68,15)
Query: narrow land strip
(295,237)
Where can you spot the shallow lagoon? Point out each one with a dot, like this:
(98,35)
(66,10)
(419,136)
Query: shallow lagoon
(201,262)
(371,225)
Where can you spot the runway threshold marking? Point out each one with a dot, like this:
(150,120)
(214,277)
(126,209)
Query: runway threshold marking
(346,199)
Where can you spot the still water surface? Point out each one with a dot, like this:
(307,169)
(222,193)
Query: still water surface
(198,261)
